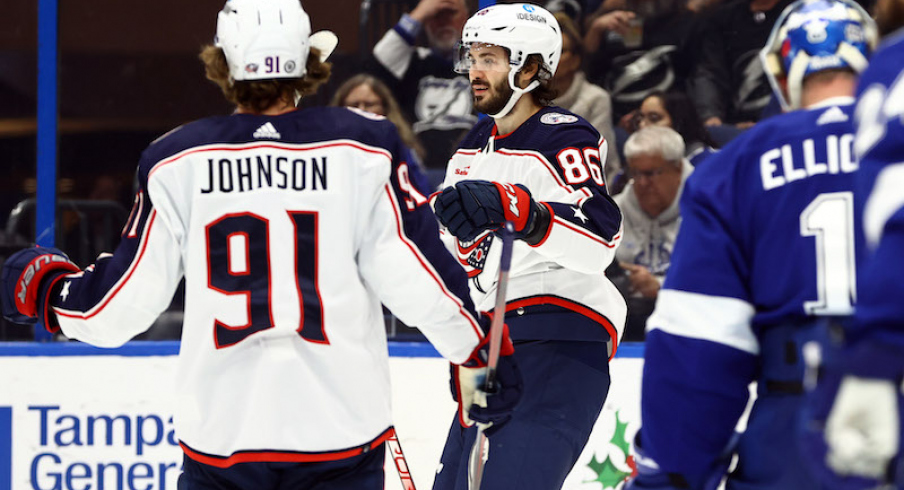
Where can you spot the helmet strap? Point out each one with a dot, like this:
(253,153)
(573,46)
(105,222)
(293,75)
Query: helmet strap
(516,94)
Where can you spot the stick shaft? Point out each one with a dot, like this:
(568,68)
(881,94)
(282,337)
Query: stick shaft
(401,464)
(479,451)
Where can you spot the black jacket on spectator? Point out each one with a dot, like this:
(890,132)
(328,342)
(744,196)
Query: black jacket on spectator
(661,62)
(729,82)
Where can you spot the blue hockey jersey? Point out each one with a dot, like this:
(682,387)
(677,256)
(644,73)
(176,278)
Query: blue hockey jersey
(880,147)
(290,231)
(767,239)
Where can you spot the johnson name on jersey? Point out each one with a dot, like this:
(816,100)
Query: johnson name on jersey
(557,156)
(290,231)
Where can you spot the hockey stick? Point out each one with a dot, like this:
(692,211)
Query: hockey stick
(401,464)
(480,451)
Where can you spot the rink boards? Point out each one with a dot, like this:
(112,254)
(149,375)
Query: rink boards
(77,417)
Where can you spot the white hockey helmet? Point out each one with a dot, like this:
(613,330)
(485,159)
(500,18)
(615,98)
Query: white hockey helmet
(267,39)
(812,36)
(522,29)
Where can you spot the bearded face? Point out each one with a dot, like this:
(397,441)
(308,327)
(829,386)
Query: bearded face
(490,96)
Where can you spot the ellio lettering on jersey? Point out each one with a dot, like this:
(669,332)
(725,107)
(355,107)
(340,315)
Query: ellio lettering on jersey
(68,443)
(245,174)
(777,166)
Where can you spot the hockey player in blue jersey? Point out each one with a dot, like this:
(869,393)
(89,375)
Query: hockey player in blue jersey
(540,167)
(855,416)
(290,227)
(766,248)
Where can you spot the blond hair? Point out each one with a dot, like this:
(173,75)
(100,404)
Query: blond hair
(259,95)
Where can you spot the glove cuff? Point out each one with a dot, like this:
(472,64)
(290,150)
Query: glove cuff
(30,282)
(517,206)
(480,355)
(46,316)
(541,227)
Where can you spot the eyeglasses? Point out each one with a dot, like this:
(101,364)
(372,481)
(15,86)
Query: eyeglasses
(648,174)
(374,106)
(650,117)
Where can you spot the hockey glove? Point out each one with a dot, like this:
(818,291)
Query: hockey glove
(27,276)
(852,433)
(476,405)
(471,207)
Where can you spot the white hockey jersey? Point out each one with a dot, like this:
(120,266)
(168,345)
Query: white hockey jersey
(557,156)
(290,231)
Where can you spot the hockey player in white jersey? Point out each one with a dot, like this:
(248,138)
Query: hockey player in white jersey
(766,251)
(540,167)
(290,228)
(856,414)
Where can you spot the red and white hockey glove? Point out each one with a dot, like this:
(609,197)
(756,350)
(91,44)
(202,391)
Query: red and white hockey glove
(471,207)
(27,278)
(476,405)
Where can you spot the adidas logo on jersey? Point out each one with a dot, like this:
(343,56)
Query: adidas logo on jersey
(267,131)
(832,115)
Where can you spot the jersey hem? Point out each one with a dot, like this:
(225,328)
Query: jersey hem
(275,456)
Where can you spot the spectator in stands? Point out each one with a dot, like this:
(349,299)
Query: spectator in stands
(657,169)
(676,110)
(580,96)
(635,47)
(728,85)
(365,92)
(432,95)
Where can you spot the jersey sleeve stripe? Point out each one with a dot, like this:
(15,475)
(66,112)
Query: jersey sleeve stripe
(718,319)
(275,456)
(120,283)
(582,231)
(548,166)
(426,264)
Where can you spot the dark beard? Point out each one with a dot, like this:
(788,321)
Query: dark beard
(495,103)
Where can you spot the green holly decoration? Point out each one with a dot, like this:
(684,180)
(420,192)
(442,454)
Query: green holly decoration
(606,472)
(618,438)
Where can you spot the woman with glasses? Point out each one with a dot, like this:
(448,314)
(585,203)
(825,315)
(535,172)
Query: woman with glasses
(676,110)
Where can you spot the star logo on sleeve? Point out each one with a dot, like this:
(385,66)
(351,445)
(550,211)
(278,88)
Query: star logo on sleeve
(579,214)
(65,292)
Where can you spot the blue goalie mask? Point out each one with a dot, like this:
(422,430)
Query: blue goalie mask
(812,36)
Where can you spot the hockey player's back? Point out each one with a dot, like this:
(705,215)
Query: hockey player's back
(766,250)
(291,228)
(776,187)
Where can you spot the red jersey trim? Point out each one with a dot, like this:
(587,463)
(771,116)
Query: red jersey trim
(284,146)
(265,456)
(581,231)
(544,161)
(569,305)
(425,264)
(146,238)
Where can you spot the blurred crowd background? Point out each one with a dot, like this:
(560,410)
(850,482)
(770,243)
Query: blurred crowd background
(129,72)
